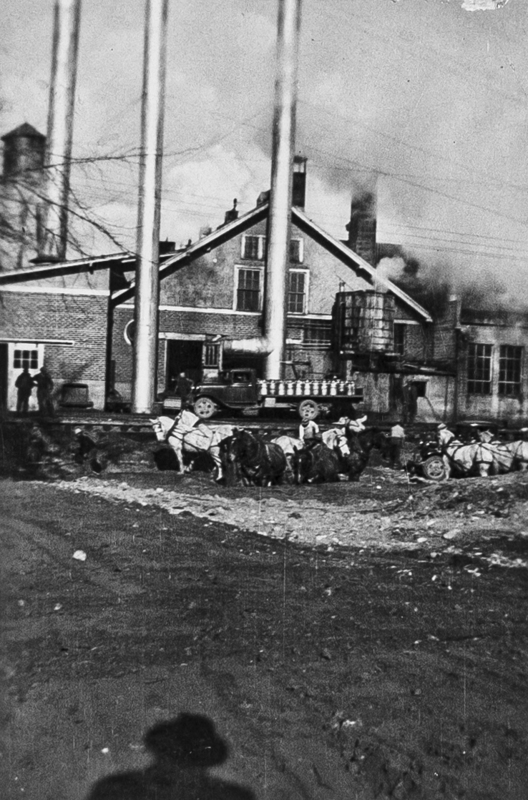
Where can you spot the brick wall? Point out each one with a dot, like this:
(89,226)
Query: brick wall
(80,318)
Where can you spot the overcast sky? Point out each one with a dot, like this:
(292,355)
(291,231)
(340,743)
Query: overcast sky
(425,98)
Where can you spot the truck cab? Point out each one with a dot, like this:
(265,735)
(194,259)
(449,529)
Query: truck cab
(232,388)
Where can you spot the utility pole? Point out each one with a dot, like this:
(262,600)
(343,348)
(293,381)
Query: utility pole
(288,34)
(54,222)
(147,278)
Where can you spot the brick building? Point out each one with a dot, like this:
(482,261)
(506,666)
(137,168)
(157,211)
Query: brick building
(77,318)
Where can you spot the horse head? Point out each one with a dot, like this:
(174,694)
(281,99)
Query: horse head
(341,444)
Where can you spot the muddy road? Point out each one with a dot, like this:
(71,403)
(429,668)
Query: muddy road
(347,641)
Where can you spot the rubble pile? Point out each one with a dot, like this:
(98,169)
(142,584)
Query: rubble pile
(437,517)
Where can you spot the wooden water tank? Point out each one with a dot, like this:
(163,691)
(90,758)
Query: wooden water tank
(364,321)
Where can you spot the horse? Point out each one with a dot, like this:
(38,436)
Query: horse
(185,436)
(334,439)
(519,453)
(248,458)
(361,444)
(316,463)
(479,458)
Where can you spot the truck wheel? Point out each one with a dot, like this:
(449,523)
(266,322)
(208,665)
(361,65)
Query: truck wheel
(433,468)
(308,409)
(204,408)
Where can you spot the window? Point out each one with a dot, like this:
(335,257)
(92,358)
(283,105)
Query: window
(399,338)
(296,251)
(510,361)
(318,332)
(297,292)
(25,358)
(248,290)
(211,355)
(254,248)
(479,369)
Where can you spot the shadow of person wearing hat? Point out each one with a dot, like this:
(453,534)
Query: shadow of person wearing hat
(183,748)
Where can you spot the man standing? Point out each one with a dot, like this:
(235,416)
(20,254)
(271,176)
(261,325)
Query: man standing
(397,438)
(24,385)
(444,435)
(184,387)
(44,389)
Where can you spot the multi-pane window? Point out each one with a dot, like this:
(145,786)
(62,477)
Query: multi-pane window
(297,292)
(318,332)
(25,358)
(479,369)
(254,248)
(510,361)
(248,290)
(296,251)
(211,355)
(399,337)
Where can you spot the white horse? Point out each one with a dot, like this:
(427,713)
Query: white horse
(489,458)
(519,454)
(184,435)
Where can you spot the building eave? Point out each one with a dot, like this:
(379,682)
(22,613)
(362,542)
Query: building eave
(355,262)
(179,260)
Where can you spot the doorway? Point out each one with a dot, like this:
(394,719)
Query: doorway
(183,355)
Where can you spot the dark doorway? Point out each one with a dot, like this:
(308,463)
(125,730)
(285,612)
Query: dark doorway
(4,363)
(183,355)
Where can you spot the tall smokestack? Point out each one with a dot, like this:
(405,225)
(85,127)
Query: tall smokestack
(67,18)
(289,23)
(147,276)
(362,226)
(271,345)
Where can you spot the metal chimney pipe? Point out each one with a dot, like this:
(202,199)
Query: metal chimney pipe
(289,24)
(271,345)
(147,277)
(54,239)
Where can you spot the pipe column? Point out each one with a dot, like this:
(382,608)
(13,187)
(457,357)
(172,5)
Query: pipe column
(150,168)
(288,33)
(54,223)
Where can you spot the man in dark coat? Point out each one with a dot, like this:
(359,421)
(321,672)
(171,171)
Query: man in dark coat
(44,389)
(24,385)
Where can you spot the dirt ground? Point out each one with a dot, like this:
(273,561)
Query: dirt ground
(351,641)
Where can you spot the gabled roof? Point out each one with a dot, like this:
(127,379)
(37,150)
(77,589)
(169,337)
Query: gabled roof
(355,262)
(25,130)
(173,262)
(202,246)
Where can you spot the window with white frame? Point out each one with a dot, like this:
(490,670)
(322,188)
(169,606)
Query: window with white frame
(510,370)
(253,247)
(297,291)
(479,369)
(248,289)
(25,358)
(296,251)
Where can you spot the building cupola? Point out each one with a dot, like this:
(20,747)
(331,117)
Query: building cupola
(24,150)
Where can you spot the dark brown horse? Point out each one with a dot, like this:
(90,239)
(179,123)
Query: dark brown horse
(316,463)
(361,444)
(248,459)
